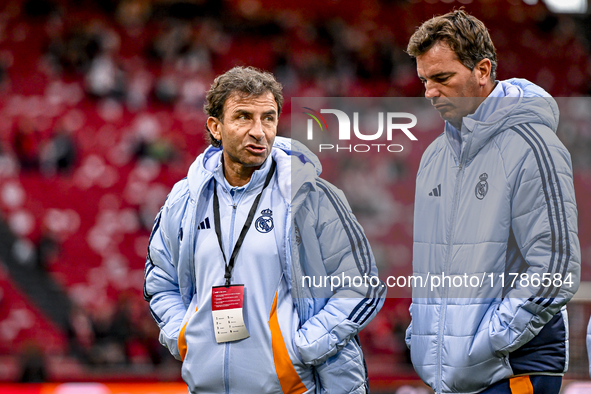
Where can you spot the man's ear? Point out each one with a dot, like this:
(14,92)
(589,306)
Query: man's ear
(483,69)
(215,127)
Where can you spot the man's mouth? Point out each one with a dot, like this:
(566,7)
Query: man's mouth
(256,148)
(440,106)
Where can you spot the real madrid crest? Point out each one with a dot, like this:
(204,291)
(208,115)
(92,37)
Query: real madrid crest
(482,187)
(264,223)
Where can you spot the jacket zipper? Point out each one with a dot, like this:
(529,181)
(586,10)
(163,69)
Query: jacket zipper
(446,266)
(230,243)
(227,347)
(193,241)
(301,301)
(193,238)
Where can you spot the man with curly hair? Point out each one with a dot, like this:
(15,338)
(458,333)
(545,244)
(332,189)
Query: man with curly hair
(230,250)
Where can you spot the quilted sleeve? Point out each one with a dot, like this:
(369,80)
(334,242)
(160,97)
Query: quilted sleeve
(161,287)
(544,228)
(354,292)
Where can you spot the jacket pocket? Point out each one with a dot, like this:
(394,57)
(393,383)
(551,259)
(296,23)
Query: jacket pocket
(182,342)
(288,377)
(481,348)
(344,372)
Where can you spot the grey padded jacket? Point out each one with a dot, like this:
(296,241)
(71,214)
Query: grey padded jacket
(505,206)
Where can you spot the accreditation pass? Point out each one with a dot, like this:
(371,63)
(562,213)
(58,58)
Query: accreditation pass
(226,306)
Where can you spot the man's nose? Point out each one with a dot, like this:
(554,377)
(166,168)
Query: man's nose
(431,90)
(257,129)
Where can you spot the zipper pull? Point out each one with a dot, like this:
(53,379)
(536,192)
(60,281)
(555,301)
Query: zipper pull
(234,206)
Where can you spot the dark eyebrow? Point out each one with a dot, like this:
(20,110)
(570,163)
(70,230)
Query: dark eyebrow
(242,112)
(245,112)
(442,75)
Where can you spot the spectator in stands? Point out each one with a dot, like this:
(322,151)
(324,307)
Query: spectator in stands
(105,78)
(150,143)
(121,328)
(81,335)
(107,349)
(48,248)
(59,154)
(139,86)
(167,87)
(133,14)
(147,335)
(33,368)
(73,50)
(4,80)
(160,150)
(494,195)
(25,142)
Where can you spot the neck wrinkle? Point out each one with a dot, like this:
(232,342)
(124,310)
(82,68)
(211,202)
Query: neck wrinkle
(237,178)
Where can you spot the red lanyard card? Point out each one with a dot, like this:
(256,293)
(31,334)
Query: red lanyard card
(226,306)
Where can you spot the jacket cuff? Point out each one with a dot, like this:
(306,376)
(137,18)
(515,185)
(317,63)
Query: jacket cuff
(318,350)
(168,337)
(344,372)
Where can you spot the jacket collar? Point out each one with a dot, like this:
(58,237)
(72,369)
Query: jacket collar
(512,102)
(297,169)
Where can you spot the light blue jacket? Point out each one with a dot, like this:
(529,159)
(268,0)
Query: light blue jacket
(318,327)
(505,204)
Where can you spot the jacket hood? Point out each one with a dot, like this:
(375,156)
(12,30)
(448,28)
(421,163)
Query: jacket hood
(512,102)
(297,166)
